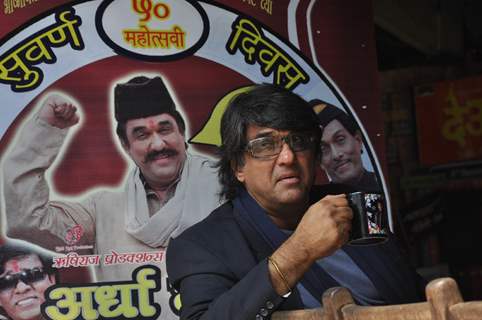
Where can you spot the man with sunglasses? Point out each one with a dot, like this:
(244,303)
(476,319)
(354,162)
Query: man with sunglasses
(24,276)
(274,246)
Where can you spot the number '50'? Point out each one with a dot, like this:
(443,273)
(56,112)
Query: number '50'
(147,8)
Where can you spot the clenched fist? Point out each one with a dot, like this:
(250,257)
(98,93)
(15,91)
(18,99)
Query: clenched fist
(325,227)
(58,111)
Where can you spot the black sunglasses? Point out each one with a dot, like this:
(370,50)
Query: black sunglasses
(27,276)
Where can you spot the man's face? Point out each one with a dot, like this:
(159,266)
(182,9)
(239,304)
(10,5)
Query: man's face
(279,181)
(22,302)
(157,147)
(341,153)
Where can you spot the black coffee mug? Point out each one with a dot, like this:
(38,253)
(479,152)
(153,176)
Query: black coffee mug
(369,224)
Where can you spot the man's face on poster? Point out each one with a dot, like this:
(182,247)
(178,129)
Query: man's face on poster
(341,153)
(157,146)
(22,288)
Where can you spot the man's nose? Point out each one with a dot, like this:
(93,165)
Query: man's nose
(22,287)
(337,153)
(157,142)
(287,155)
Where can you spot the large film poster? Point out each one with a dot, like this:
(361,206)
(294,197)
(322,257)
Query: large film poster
(71,189)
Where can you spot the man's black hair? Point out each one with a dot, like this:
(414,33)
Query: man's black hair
(328,113)
(9,251)
(264,105)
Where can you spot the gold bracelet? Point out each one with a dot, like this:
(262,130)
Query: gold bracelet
(280,274)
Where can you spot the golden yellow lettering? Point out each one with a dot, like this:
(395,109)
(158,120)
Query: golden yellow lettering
(126,307)
(250,36)
(14,71)
(112,301)
(474,121)
(87,302)
(285,77)
(267,5)
(453,129)
(66,301)
(251,42)
(145,285)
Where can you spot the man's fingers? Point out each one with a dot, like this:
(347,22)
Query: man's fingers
(338,200)
(59,111)
(64,110)
(75,119)
(58,108)
(344,229)
(334,206)
(343,214)
(69,111)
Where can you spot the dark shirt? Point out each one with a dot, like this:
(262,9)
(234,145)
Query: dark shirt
(368,183)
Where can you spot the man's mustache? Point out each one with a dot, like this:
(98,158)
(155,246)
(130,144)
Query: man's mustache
(155,154)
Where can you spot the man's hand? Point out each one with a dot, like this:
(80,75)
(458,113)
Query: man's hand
(324,228)
(58,111)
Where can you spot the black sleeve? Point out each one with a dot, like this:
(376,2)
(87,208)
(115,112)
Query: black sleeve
(210,290)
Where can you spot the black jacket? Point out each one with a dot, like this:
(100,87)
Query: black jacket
(220,267)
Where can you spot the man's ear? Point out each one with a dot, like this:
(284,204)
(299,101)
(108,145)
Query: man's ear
(125,145)
(238,171)
(359,140)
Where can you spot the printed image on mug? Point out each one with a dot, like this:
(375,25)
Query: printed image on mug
(369,224)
